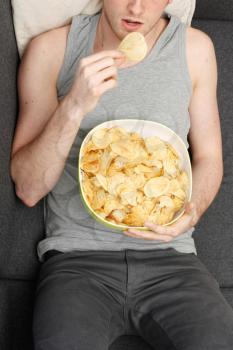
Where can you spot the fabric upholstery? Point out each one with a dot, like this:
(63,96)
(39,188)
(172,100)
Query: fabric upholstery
(20,227)
(214,9)
(16,304)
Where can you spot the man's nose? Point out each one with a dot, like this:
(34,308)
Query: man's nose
(136,7)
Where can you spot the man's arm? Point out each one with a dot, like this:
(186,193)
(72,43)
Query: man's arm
(205,133)
(47,128)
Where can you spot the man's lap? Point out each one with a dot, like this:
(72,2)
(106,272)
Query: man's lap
(167,297)
(182,306)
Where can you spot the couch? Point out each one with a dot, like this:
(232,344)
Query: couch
(21,227)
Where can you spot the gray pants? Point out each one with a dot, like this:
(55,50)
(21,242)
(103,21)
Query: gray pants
(86,299)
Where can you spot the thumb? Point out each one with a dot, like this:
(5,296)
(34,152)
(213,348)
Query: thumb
(189,207)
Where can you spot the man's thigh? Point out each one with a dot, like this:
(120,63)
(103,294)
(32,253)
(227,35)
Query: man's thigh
(72,311)
(181,306)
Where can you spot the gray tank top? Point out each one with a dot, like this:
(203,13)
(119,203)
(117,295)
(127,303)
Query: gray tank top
(157,88)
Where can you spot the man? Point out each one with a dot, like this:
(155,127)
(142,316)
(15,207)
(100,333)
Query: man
(96,284)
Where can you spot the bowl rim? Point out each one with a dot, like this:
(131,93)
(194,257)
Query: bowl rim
(119,226)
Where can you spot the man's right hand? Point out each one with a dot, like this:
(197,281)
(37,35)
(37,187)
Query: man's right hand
(95,74)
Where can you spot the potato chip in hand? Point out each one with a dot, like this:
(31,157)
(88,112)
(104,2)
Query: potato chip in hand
(134,46)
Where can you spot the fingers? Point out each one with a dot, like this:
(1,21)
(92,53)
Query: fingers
(97,66)
(112,54)
(111,83)
(100,77)
(179,227)
(150,235)
(164,233)
(100,71)
(95,75)
(162,230)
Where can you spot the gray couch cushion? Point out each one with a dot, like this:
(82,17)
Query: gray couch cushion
(130,342)
(20,227)
(16,305)
(214,9)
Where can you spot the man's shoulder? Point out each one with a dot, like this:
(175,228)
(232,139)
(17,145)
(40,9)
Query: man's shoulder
(198,42)
(49,48)
(53,40)
(200,53)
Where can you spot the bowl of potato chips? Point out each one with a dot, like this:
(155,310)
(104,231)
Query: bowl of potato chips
(131,170)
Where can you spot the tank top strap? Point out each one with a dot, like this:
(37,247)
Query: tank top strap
(78,42)
(183,57)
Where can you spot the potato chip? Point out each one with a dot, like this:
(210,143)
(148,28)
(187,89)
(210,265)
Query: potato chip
(99,199)
(178,203)
(89,147)
(153,161)
(138,180)
(165,201)
(153,143)
(116,133)
(140,197)
(119,162)
(128,171)
(92,155)
(100,138)
(101,213)
(169,166)
(136,217)
(148,205)
(88,190)
(165,215)
(175,189)
(118,215)
(134,136)
(183,180)
(95,182)
(102,180)
(130,149)
(134,46)
(123,147)
(172,149)
(105,161)
(154,173)
(128,196)
(91,167)
(114,181)
(161,152)
(112,170)
(110,204)
(157,186)
(140,169)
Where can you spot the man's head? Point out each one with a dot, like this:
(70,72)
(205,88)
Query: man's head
(118,13)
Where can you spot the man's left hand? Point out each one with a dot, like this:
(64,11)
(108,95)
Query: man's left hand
(168,233)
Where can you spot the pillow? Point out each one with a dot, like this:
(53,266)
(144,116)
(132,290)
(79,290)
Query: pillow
(32,17)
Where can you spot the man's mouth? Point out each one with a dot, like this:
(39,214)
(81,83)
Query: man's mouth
(131,24)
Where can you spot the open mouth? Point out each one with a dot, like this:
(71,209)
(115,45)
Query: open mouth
(130,24)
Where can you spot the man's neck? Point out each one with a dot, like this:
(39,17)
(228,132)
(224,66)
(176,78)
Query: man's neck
(106,39)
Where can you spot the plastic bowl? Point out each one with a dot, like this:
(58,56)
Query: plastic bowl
(144,128)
